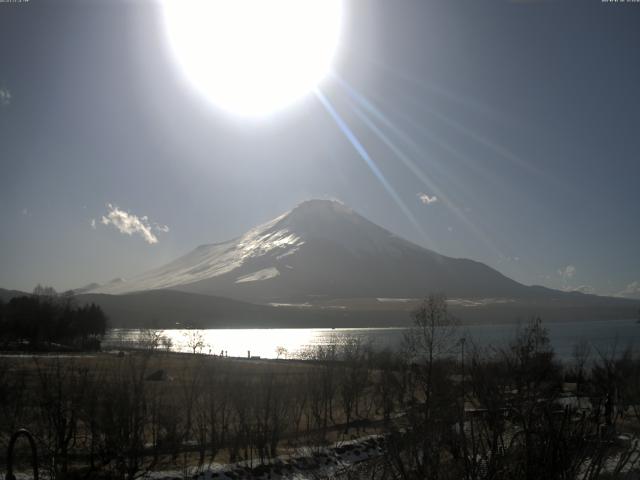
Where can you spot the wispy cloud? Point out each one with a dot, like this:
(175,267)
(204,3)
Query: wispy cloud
(93,223)
(631,291)
(5,97)
(567,272)
(426,199)
(130,224)
(586,289)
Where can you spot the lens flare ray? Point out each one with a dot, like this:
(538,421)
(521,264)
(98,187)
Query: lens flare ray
(384,119)
(362,152)
(410,164)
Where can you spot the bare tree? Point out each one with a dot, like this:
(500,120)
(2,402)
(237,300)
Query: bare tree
(194,340)
(60,394)
(581,354)
(387,384)
(416,450)
(353,377)
(149,339)
(124,416)
(432,339)
(13,393)
(166,342)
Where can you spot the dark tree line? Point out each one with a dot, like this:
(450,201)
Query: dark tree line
(46,318)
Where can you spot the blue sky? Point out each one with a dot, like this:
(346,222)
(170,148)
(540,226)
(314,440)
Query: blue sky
(521,118)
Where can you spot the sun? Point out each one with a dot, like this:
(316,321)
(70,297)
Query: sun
(254,57)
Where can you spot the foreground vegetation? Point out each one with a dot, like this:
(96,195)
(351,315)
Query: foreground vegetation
(444,409)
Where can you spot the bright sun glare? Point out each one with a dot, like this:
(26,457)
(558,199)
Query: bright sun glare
(253,57)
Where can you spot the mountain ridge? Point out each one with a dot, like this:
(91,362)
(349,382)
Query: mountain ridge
(320,248)
(174,309)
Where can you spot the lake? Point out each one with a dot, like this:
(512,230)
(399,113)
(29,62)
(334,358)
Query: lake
(603,336)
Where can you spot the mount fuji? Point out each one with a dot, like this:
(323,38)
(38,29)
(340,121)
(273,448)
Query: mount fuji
(322,249)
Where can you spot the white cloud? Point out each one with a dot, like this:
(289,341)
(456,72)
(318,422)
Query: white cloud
(630,291)
(426,199)
(586,289)
(567,272)
(5,97)
(129,224)
(93,223)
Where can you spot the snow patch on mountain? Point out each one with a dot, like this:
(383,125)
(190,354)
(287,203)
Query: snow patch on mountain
(208,261)
(264,274)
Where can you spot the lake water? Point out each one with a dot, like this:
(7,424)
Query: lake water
(603,336)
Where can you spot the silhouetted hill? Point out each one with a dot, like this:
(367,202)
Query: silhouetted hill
(7,295)
(173,309)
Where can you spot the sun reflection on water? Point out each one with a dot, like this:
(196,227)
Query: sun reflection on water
(295,342)
(264,343)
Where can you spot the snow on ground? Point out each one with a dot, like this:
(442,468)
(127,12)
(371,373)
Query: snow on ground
(296,305)
(480,302)
(396,300)
(307,464)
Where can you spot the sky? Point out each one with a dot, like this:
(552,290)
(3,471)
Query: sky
(501,131)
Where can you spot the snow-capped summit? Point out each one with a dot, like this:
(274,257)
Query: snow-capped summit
(333,221)
(321,248)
